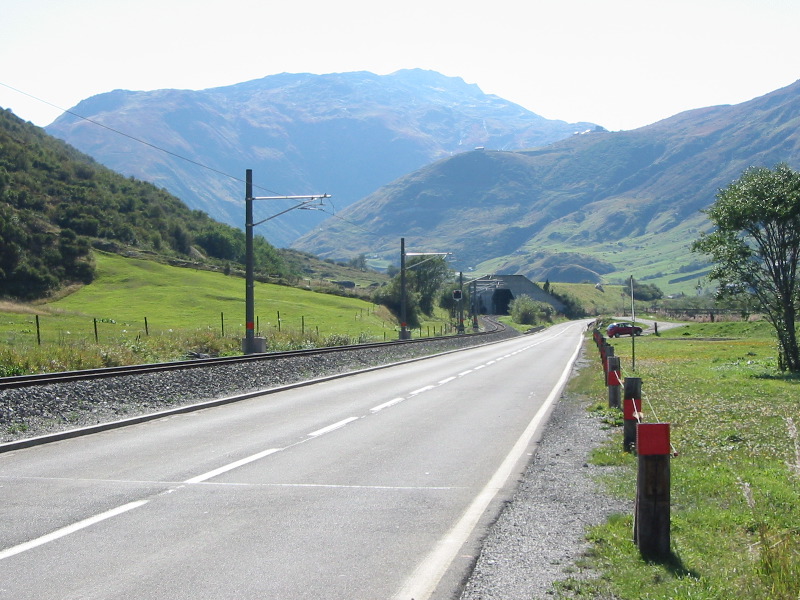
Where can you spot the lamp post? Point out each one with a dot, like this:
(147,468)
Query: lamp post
(252,344)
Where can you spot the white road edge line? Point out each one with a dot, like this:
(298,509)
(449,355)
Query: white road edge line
(64,531)
(428,574)
(231,466)
(333,427)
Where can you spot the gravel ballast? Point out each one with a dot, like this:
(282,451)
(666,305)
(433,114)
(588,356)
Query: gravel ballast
(536,539)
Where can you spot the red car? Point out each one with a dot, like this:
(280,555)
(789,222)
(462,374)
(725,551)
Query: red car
(623,328)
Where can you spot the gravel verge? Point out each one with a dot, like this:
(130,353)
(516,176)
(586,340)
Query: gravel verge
(541,532)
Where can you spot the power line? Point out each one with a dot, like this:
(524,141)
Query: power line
(135,139)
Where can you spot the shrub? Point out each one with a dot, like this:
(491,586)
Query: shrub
(527,311)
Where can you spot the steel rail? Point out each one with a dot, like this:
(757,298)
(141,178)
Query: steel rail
(19,381)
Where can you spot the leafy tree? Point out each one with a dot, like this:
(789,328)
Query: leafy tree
(359,262)
(756,247)
(425,276)
(389,296)
(644,291)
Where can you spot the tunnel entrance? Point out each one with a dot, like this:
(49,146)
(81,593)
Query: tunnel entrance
(500,301)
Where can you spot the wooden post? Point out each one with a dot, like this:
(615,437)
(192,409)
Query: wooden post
(146,327)
(651,530)
(607,354)
(614,382)
(38,332)
(631,409)
(96,338)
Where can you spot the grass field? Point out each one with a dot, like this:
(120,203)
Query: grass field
(735,481)
(145,311)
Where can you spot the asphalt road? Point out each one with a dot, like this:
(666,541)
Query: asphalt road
(375,486)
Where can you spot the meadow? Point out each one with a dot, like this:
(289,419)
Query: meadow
(735,478)
(139,311)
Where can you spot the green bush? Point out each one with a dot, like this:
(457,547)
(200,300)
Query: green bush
(527,311)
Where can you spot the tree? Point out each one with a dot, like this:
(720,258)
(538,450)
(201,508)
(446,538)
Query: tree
(756,247)
(646,292)
(426,275)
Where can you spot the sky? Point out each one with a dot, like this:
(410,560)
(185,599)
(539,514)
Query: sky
(620,63)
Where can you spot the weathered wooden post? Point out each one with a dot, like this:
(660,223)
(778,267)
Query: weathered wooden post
(651,529)
(631,409)
(608,352)
(614,382)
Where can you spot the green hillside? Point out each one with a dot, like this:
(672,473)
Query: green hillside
(147,311)
(56,204)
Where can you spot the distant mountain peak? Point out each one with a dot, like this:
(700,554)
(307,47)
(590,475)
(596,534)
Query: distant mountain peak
(343,133)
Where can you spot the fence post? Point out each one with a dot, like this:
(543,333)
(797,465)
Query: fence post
(631,408)
(146,327)
(607,354)
(652,511)
(38,332)
(614,382)
(96,337)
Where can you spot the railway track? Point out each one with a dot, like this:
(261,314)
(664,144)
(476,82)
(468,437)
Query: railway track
(20,381)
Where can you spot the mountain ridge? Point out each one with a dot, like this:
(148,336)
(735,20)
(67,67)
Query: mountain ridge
(629,199)
(342,133)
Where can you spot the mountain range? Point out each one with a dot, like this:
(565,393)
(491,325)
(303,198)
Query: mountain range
(345,134)
(600,206)
(438,162)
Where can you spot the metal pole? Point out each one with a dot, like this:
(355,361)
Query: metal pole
(633,335)
(461,302)
(404,332)
(249,311)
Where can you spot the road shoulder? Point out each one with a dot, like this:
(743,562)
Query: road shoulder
(540,535)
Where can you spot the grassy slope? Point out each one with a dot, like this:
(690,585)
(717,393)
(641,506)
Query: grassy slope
(185,310)
(128,290)
(718,386)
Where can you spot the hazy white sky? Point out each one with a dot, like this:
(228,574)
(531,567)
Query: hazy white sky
(620,63)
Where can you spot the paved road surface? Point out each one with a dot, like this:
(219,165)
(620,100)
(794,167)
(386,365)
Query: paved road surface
(378,485)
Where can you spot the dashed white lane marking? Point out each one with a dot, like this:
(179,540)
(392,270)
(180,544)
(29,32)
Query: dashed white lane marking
(231,466)
(333,427)
(64,531)
(386,405)
(422,389)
